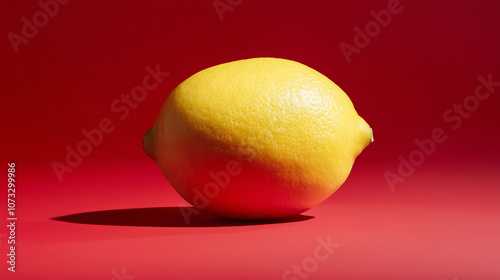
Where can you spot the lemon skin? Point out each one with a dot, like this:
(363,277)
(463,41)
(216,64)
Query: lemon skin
(259,138)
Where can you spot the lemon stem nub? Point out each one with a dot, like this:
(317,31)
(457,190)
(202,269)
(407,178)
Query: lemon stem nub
(371,131)
(149,144)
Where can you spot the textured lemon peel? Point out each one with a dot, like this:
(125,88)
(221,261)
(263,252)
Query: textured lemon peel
(296,123)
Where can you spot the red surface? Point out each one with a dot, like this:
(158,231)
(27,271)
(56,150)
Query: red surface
(115,211)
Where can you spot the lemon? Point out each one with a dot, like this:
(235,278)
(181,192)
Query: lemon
(258,138)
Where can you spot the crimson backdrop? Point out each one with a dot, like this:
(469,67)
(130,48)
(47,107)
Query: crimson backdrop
(414,206)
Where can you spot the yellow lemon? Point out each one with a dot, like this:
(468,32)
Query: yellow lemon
(258,138)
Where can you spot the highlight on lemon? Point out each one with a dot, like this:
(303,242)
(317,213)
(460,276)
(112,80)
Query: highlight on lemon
(259,138)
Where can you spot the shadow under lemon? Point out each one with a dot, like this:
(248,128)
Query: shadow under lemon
(164,217)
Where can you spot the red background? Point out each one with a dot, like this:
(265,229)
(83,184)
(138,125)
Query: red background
(441,222)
